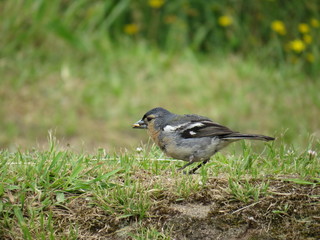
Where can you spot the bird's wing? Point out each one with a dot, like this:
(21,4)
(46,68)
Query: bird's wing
(195,126)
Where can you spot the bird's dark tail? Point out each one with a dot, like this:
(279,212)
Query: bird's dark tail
(239,136)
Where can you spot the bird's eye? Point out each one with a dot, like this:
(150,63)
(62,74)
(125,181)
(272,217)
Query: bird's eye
(149,119)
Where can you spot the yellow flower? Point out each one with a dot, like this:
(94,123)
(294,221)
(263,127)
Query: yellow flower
(225,21)
(297,45)
(314,23)
(131,28)
(156,3)
(307,38)
(278,27)
(310,57)
(304,28)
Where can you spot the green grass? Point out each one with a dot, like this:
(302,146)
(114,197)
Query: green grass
(55,194)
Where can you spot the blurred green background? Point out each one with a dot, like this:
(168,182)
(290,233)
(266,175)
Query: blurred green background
(88,69)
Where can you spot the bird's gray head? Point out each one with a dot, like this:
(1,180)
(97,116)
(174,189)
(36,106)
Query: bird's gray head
(156,116)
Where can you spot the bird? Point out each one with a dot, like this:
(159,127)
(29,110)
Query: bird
(190,137)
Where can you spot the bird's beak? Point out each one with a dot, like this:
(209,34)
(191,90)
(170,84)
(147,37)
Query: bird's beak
(139,124)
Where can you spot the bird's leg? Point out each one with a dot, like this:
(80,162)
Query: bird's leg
(191,161)
(200,165)
(184,166)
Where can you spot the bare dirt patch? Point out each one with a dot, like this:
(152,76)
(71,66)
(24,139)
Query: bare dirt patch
(192,209)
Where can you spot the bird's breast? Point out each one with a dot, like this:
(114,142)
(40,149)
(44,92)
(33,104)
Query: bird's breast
(154,134)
